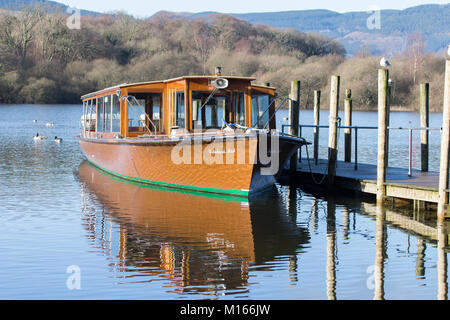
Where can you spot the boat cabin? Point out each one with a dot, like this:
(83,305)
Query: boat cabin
(177,106)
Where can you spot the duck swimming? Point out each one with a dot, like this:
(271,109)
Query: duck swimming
(37,137)
(58,140)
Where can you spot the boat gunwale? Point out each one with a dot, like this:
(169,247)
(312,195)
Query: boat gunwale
(169,140)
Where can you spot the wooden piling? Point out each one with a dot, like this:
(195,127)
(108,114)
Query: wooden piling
(445,146)
(332,138)
(388,120)
(348,106)
(294,115)
(383,76)
(317,94)
(424,123)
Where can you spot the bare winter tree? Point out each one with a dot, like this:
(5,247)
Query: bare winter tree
(204,42)
(415,47)
(17,32)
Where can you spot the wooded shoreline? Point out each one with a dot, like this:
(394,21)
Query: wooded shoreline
(42,61)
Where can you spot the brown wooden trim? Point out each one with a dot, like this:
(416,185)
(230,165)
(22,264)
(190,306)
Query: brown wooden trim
(248,107)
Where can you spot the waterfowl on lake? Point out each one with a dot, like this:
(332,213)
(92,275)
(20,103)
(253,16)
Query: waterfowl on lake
(37,137)
(58,140)
(49,124)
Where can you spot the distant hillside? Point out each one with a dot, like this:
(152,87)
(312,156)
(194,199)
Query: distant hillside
(350,29)
(43,61)
(432,21)
(52,5)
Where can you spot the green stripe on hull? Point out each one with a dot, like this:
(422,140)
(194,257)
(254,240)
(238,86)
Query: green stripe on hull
(237,193)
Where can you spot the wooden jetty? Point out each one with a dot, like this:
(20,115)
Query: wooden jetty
(422,187)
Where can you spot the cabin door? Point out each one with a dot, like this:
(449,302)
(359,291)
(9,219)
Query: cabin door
(155,112)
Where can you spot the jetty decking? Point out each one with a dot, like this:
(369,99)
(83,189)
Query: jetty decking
(422,186)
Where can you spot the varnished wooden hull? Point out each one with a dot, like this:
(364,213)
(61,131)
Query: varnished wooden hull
(232,167)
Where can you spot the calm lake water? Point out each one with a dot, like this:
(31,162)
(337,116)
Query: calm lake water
(133,242)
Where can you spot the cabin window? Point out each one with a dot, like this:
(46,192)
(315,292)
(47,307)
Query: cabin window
(107,117)
(88,119)
(239,108)
(177,108)
(84,117)
(115,113)
(196,113)
(100,115)
(136,115)
(157,111)
(215,112)
(93,114)
(260,114)
(212,114)
(144,112)
(180,103)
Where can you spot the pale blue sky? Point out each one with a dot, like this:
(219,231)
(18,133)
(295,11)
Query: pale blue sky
(144,8)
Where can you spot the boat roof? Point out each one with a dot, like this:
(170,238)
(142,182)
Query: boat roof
(127,85)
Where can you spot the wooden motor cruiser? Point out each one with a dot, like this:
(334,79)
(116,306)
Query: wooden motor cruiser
(204,133)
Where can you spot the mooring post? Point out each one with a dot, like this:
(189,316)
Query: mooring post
(424,123)
(332,138)
(383,76)
(388,120)
(348,106)
(445,146)
(317,94)
(294,115)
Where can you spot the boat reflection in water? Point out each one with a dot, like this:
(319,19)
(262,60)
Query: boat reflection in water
(199,244)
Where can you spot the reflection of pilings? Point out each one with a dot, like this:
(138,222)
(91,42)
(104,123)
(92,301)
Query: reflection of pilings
(345,222)
(331,249)
(293,209)
(442,263)
(420,260)
(380,247)
(122,245)
(185,267)
(293,203)
(315,215)
(293,274)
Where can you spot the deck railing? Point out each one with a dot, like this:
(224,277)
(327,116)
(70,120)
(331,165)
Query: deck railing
(355,140)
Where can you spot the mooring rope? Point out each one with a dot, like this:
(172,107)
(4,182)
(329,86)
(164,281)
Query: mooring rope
(325,173)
